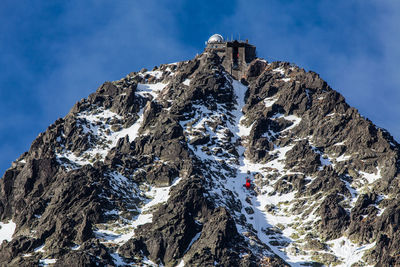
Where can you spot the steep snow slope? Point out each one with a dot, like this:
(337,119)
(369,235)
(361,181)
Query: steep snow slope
(276,229)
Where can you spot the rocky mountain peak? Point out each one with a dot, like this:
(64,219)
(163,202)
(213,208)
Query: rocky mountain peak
(150,170)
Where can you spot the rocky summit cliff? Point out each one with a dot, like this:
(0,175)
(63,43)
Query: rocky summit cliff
(150,171)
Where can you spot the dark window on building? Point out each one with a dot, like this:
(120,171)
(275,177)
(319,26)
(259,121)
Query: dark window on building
(235,57)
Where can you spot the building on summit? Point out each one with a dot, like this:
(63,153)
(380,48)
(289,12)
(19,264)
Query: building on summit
(235,55)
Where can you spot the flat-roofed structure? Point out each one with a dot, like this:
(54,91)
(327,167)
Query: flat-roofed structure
(235,55)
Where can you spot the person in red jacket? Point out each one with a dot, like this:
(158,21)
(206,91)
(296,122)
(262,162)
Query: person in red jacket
(247,184)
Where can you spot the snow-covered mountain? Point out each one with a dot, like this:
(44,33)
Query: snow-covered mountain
(150,171)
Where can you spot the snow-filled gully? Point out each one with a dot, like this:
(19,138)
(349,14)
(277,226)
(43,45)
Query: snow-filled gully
(259,221)
(234,180)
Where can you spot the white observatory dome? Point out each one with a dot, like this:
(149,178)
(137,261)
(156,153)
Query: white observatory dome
(216,38)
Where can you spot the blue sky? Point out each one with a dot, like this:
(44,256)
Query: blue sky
(53,53)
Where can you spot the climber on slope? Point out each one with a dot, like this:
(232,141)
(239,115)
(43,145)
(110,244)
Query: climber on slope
(247,184)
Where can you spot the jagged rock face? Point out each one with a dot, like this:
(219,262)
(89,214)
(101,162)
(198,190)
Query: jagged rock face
(150,170)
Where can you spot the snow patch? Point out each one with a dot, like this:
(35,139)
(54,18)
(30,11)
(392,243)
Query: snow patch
(181,264)
(371,177)
(39,249)
(353,192)
(244,131)
(150,263)
(155,73)
(380,211)
(152,89)
(325,161)
(293,118)
(339,144)
(349,252)
(76,247)
(269,101)
(45,262)
(280,70)
(132,131)
(7,230)
(343,157)
(118,261)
